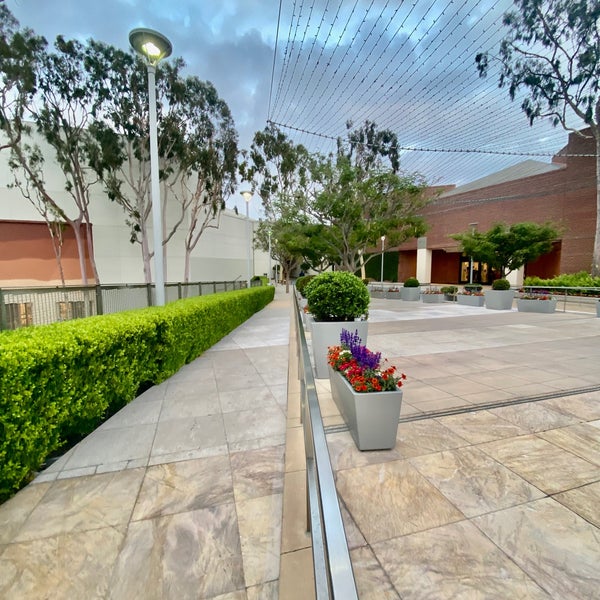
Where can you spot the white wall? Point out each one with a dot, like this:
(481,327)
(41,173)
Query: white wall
(221,254)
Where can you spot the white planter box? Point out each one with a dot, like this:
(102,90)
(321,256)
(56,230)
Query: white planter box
(499,299)
(539,306)
(371,417)
(468,300)
(432,298)
(410,294)
(393,295)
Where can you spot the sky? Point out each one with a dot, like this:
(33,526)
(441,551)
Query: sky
(408,66)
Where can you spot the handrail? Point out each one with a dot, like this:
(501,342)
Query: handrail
(334,577)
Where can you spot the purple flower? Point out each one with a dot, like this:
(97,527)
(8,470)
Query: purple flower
(363,356)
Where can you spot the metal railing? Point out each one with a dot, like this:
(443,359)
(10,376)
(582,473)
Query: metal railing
(334,577)
(21,307)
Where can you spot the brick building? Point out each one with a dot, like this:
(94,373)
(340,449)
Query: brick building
(562,192)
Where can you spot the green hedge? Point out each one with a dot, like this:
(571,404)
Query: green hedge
(59,382)
(581,279)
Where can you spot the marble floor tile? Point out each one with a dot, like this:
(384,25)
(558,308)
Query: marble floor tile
(257,472)
(459,385)
(83,504)
(254,424)
(179,435)
(423,437)
(582,440)
(584,501)
(481,426)
(545,465)
(184,486)
(15,511)
(294,534)
(188,389)
(105,446)
(533,417)
(474,482)
(246,400)
(259,521)
(262,591)
(62,567)
(296,579)
(372,582)
(188,555)
(393,499)
(584,406)
(193,405)
(240,381)
(453,561)
(554,546)
(344,454)
(135,413)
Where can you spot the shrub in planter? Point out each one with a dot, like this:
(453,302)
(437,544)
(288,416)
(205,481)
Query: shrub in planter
(501,284)
(337,296)
(412,282)
(411,290)
(500,297)
(473,287)
(302,282)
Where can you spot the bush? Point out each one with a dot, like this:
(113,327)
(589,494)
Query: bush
(581,279)
(501,284)
(451,290)
(472,287)
(302,282)
(58,382)
(337,296)
(412,282)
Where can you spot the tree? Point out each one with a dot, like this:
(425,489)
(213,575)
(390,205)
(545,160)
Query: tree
(356,210)
(552,51)
(507,248)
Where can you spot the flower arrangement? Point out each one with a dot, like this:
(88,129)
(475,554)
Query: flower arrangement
(466,292)
(432,290)
(394,288)
(362,368)
(535,296)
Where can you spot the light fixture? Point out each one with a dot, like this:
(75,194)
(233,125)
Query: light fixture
(382,248)
(153,46)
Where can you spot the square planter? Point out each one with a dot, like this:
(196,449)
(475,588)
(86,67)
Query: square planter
(327,333)
(539,306)
(598,309)
(410,294)
(393,295)
(377,294)
(432,298)
(468,300)
(499,299)
(371,417)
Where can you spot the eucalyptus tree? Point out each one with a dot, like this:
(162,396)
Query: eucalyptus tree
(552,51)
(61,108)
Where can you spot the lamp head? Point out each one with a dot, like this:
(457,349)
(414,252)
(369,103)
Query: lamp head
(247,195)
(150,44)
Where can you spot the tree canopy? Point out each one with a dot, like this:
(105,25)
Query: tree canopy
(506,248)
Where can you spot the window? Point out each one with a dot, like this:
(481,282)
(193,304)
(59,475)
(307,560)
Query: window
(19,314)
(71,310)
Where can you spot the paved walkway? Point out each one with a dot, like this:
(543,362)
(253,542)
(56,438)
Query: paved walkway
(196,489)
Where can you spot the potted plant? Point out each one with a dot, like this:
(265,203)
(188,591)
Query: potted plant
(471,296)
(411,290)
(450,292)
(334,299)
(367,393)
(500,297)
(536,302)
(393,293)
(377,291)
(432,295)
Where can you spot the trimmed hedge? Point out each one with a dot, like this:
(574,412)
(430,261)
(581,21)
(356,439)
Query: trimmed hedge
(59,382)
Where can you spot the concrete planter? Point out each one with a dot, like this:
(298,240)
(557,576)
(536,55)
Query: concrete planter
(377,294)
(539,306)
(467,300)
(598,308)
(393,295)
(327,333)
(499,299)
(432,298)
(371,417)
(410,294)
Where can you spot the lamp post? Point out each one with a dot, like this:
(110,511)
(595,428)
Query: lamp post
(270,273)
(473,227)
(382,248)
(247,196)
(153,46)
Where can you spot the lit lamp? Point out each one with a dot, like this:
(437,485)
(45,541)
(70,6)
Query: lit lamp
(153,46)
(247,197)
(382,246)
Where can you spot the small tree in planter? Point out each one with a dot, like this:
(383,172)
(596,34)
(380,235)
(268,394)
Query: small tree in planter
(411,290)
(334,299)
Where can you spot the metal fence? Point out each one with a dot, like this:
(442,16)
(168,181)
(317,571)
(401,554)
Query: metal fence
(22,307)
(334,577)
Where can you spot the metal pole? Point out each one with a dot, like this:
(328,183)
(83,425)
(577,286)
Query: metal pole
(159,279)
(270,272)
(248,238)
(382,249)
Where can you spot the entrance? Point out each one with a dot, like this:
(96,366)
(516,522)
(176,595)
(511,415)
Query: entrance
(473,271)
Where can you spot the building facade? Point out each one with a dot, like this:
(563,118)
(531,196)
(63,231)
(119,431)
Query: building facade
(562,192)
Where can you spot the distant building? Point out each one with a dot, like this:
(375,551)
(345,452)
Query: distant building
(562,192)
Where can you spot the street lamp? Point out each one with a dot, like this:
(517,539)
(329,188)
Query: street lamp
(153,46)
(247,196)
(473,227)
(382,246)
(270,274)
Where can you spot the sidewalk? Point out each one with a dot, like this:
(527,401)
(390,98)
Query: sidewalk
(196,489)
(179,495)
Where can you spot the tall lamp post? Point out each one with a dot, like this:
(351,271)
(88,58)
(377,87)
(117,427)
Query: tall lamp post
(473,227)
(153,46)
(247,196)
(382,248)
